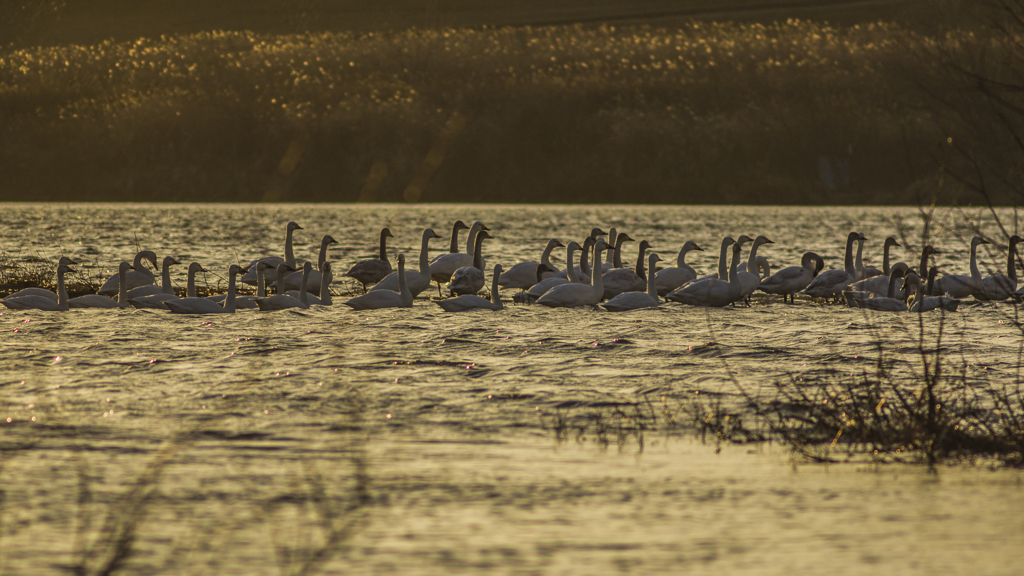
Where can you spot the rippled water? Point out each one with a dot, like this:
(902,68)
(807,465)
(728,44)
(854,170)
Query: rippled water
(449,416)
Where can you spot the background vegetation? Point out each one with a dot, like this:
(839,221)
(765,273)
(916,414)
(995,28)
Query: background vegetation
(696,112)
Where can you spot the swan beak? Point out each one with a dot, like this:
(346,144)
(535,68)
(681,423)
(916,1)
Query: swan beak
(559,245)
(695,247)
(242,269)
(332,241)
(767,241)
(175,261)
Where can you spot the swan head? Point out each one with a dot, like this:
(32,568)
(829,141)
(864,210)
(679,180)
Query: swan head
(978,240)
(429,233)
(235,269)
(497,269)
(763,240)
(170,260)
(743,239)
(1014,240)
(148,255)
(307,267)
(65,261)
(482,226)
(890,241)
(622,237)
(64,268)
(292,226)
(644,246)
(483,235)
(595,232)
(196,267)
(401,260)
(459,225)
(861,237)
(690,245)
(899,267)
(911,280)
(652,259)
(328,239)
(386,233)
(727,241)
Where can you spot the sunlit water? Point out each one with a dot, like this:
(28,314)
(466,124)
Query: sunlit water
(451,416)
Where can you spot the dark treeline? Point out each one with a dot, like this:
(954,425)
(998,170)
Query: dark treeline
(792,113)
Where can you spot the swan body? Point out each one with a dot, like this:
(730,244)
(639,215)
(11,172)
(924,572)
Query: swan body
(575,294)
(282,301)
(205,306)
(879,285)
(960,286)
(524,274)
(919,302)
(385,298)
(830,284)
(637,300)
(43,302)
(100,301)
(373,270)
(137,276)
(712,292)
(793,279)
(442,267)
(272,261)
(159,301)
(999,287)
(470,279)
(474,302)
(621,280)
(417,281)
(668,279)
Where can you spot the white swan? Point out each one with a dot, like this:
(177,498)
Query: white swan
(999,287)
(668,279)
(879,285)
(386,298)
(960,286)
(538,289)
(748,278)
(42,302)
(283,301)
(34,291)
(871,272)
(204,306)
(442,267)
(470,279)
(831,284)
(101,301)
(711,291)
(888,303)
(417,281)
(272,261)
(139,275)
(165,286)
(524,274)
(637,300)
(621,280)
(918,300)
(575,294)
(793,279)
(474,302)
(373,270)
(291,282)
(159,301)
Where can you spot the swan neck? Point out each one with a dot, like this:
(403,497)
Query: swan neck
(975,273)
(616,254)
(122,287)
(403,288)
(922,270)
(471,239)
(383,248)
(681,259)
(848,258)
(545,258)
(62,293)
(734,266)
(723,262)
(424,261)
(478,257)
(453,246)
(1011,268)
(585,259)
(892,285)
(596,277)
(165,279)
(570,265)
(859,262)
(261,283)
(639,268)
(885,259)
(289,255)
(614,238)
(323,254)
(325,288)
(190,287)
(752,258)
(302,287)
(495,298)
(652,284)
(229,302)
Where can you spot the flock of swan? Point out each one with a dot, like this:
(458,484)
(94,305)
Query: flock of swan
(588,281)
